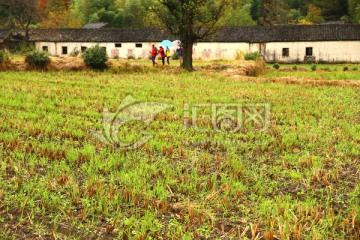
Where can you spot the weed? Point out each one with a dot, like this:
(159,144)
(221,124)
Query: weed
(252,56)
(313,67)
(276,66)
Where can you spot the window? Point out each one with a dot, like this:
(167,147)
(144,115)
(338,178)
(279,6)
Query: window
(45,48)
(83,49)
(138,45)
(309,51)
(64,50)
(118,45)
(285,52)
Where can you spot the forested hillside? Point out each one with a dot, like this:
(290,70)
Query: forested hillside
(137,13)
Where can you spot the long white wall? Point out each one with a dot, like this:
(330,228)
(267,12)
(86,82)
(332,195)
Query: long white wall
(335,51)
(215,50)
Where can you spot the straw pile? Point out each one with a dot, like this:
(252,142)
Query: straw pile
(242,68)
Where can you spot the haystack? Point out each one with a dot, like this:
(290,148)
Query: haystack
(241,68)
(68,63)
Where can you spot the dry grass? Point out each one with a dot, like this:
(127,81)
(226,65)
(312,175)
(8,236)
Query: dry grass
(243,68)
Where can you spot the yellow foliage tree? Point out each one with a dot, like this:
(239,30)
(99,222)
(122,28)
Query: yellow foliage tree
(55,19)
(61,19)
(314,14)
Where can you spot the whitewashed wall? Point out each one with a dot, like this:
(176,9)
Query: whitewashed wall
(336,51)
(126,49)
(214,50)
(201,50)
(332,51)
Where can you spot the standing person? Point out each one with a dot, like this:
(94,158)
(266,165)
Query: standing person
(168,55)
(153,53)
(162,54)
(180,54)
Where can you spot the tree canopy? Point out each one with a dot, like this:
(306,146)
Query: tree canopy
(190,21)
(137,13)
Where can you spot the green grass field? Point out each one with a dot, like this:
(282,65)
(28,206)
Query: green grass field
(295,176)
(321,72)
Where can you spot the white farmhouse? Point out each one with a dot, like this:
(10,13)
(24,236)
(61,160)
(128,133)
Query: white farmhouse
(282,43)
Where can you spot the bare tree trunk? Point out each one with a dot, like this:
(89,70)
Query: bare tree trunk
(187,58)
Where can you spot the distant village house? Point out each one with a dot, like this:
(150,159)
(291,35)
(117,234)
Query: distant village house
(332,43)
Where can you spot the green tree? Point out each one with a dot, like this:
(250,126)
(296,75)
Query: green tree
(237,15)
(134,13)
(76,16)
(354,10)
(190,21)
(119,20)
(314,14)
(294,15)
(332,9)
(273,12)
(255,9)
(23,12)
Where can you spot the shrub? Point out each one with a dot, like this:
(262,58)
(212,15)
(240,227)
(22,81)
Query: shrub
(276,66)
(252,56)
(313,67)
(116,56)
(95,57)
(295,68)
(131,57)
(355,68)
(327,69)
(345,68)
(37,58)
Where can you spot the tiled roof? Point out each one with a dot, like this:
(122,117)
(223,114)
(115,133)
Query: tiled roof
(255,34)
(290,33)
(97,35)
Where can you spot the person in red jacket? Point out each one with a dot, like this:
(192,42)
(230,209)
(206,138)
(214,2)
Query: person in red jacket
(153,53)
(162,54)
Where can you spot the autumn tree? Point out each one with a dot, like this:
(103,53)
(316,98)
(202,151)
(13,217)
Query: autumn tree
(191,21)
(314,14)
(42,5)
(23,12)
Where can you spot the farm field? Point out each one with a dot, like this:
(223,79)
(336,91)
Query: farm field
(320,72)
(290,171)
